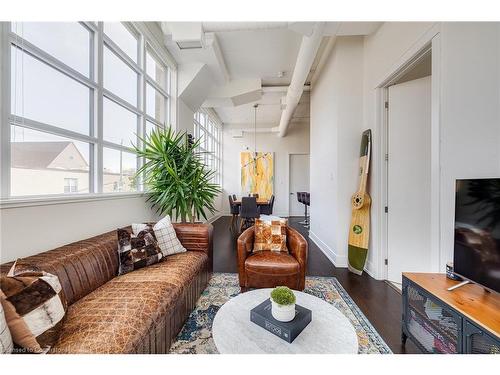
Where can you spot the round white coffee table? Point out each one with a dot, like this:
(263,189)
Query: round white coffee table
(329,331)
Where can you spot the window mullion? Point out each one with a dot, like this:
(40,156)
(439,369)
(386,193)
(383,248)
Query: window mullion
(49,60)
(115,98)
(141,95)
(5,111)
(120,54)
(50,129)
(156,86)
(92,112)
(100,99)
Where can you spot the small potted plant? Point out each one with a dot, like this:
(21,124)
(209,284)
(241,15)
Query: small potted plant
(283,304)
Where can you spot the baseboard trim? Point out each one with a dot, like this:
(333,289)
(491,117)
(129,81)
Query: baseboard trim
(336,259)
(369,269)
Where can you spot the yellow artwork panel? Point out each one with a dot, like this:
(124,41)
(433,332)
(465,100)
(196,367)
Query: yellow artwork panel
(257,174)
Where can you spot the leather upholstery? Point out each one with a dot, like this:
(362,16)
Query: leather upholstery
(267,269)
(82,266)
(272,262)
(139,312)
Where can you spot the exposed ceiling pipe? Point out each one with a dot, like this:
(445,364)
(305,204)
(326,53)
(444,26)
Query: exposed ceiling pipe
(270,89)
(307,53)
(242,26)
(238,132)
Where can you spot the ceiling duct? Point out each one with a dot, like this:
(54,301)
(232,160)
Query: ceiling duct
(307,53)
(188,35)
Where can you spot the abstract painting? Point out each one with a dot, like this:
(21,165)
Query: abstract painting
(257,173)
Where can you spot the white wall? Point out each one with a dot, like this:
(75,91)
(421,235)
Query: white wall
(336,127)
(469,118)
(29,230)
(296,142)
(185,118)
(470,113)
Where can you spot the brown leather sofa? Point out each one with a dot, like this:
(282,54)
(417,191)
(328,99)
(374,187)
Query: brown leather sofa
(268,269)
(139,312)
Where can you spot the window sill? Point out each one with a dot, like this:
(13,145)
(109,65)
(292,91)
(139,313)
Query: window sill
(59,199)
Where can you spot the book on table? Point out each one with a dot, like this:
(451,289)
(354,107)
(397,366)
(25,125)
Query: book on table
(288,331)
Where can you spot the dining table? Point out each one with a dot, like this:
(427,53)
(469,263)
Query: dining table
(260,202)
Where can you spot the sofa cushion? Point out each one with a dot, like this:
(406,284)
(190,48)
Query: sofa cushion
(270,235)
(148,227)
(176,269)
(34,306)
(167,237)
(272,263)
(116,317)
(137,252)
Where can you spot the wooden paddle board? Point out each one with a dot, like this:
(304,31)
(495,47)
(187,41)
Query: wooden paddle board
(359,231)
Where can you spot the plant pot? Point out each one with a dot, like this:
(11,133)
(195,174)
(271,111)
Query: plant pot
(282,313)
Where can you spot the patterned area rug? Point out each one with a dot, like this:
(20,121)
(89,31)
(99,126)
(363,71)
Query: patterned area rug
(196,335)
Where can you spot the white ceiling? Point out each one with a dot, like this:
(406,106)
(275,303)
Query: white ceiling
(260,53)
(268,111)
(257,50)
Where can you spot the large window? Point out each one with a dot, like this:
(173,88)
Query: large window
(208,130)
(81,94)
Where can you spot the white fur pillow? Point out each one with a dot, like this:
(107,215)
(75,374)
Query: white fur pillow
(167,238)
(6,344)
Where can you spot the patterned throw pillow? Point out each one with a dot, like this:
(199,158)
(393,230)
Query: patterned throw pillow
(137,251)
(270,235)
(5,337)
(34,306)
(167,238)
(148,227)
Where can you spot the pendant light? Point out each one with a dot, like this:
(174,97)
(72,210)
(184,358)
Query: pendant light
(255,135)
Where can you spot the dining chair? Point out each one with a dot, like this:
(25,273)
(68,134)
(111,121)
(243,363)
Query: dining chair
(268,208)
(234,197)
(249,211)
(256,195)
(234,209)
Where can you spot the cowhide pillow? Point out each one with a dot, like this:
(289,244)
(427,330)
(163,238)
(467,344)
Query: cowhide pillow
(34,307)
(270,235)
(137,251)
(146,227)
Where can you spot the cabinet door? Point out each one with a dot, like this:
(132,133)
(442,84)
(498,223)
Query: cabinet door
(430,323)
(477,341)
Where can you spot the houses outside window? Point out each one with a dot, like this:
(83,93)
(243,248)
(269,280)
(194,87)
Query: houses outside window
(70,185)
(81,94)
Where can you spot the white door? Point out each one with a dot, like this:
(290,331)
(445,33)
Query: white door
(299,181)
(409,178)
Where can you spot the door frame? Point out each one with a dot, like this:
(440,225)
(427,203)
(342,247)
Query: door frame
(288,176)
(430,41)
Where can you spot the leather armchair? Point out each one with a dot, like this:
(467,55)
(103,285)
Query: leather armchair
(268,269)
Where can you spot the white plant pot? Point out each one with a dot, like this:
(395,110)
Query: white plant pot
(282,313)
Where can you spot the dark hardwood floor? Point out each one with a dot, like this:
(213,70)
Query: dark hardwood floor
(380,303)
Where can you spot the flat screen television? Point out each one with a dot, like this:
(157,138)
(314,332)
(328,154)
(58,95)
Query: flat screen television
(476,255)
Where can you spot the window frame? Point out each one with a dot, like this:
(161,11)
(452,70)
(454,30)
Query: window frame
(209,123)
(94,82)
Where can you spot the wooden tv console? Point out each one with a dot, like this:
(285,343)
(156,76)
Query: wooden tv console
(465,320)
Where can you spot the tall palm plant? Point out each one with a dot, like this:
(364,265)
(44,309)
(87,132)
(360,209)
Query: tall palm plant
(177,181)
